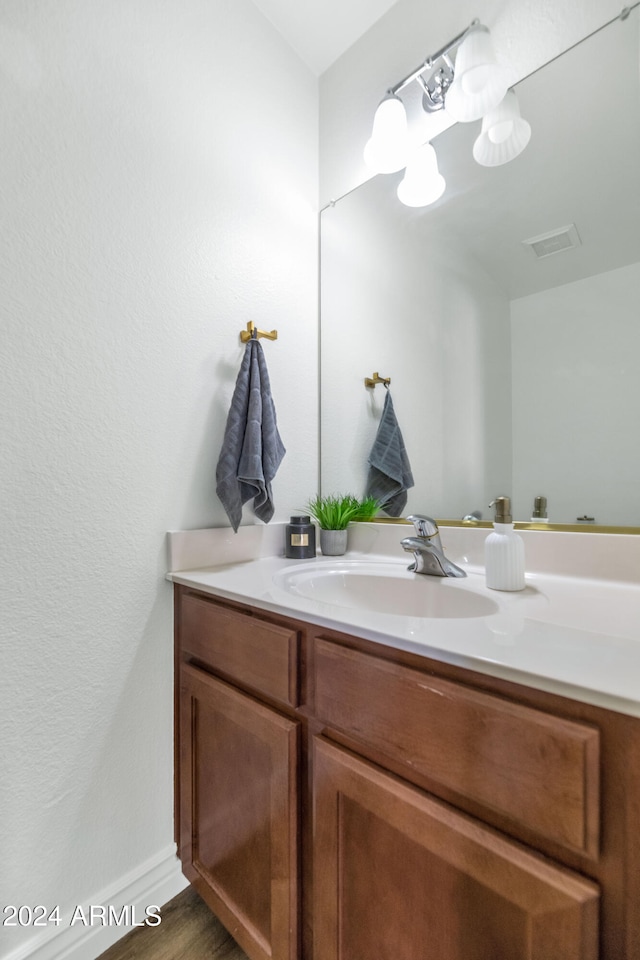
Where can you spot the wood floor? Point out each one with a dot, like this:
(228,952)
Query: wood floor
(188,930)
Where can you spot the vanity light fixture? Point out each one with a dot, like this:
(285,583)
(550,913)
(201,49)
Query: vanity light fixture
(422,183)
(504,134)
(480,82)
(469,85)
(387,149)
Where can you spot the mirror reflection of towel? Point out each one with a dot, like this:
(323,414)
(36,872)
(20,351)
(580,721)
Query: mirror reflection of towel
(251,449)
(389,469)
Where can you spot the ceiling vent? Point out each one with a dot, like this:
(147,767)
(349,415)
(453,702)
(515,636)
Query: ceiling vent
(556,241)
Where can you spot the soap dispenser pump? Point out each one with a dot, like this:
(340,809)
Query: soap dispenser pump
(504,550)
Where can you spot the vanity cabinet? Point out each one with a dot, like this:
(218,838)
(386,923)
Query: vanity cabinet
(237,776)
(339,799)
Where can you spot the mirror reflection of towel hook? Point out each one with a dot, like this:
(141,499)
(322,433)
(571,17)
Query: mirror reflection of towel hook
(371,381)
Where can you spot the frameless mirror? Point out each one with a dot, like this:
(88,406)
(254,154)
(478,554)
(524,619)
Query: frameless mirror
(511,373)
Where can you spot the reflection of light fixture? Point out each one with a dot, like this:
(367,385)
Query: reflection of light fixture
(504,134)
(472,86)
(422,183)
(480,82)
(387,149)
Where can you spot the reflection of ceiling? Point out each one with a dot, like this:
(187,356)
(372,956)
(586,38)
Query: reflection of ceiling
(582,167)
(321,31)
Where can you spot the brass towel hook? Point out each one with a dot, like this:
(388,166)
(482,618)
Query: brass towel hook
(246,335)
(371,381)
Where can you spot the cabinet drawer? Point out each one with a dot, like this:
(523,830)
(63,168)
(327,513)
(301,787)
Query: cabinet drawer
(260,655)
(538,770)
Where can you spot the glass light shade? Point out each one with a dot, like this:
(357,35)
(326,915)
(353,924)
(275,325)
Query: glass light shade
(504,134)
(387,149)
(479,82)
(422,183)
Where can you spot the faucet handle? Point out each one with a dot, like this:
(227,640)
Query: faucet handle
(425,526)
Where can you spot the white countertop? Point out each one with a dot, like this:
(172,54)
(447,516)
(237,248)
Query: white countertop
(574,636)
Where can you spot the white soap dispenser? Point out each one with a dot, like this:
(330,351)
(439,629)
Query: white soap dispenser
(504,550)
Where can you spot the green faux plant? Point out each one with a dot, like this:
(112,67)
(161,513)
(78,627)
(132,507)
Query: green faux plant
(336,511)
(367,509)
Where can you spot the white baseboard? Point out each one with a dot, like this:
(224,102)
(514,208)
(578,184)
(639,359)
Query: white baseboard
(153,883)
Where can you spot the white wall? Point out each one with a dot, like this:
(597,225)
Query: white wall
(526,34)
(158,189)
(407,305)
(575,423)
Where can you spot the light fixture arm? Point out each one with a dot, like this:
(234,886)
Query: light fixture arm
(431,61)
(435,87)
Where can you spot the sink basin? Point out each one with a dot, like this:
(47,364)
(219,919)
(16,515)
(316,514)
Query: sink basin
(385,588)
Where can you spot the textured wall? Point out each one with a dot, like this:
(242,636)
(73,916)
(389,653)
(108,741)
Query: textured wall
(158,189)
(572,434)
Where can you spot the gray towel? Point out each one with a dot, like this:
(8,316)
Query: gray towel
(389,471)
(251,449)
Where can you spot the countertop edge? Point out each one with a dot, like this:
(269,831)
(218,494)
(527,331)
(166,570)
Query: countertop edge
(557,686)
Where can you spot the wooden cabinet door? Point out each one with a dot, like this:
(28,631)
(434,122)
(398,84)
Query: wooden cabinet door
(238,813)
(402,876)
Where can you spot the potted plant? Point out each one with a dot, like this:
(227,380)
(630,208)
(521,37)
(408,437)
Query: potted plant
(334,513)
(368,508)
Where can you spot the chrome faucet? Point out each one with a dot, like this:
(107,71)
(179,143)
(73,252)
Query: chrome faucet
(426,547)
